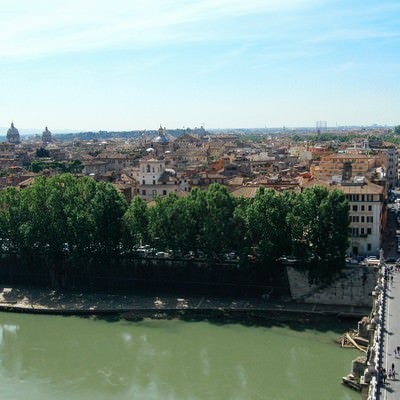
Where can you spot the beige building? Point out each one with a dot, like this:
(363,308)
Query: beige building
(154,179)
(366,213)
(333,165)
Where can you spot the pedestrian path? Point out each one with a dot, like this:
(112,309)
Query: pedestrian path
(391,389)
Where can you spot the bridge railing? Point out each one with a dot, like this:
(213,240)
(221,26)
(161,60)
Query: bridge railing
(374,393)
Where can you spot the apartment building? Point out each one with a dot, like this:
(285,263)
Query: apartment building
(154,179)
(366,212)
(333,165)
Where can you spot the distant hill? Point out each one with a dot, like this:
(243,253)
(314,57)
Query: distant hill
(136,134)
(68,135)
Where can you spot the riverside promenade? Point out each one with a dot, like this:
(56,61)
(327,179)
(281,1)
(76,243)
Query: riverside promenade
(46,301)
(391,390)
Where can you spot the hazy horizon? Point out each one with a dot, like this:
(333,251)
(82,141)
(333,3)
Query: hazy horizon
(38,131)
(131,65)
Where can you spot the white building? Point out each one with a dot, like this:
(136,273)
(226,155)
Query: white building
(365,212)
(153,179)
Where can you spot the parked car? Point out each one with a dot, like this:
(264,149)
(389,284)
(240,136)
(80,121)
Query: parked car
(231,256)
(163,254)
(372,260)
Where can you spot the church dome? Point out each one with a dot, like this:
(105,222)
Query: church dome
(161,138)
(46,135)
(13,134)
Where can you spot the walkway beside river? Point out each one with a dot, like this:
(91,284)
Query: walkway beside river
(391,390)
(44,301)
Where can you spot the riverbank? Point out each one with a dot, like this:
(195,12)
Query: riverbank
(46,301)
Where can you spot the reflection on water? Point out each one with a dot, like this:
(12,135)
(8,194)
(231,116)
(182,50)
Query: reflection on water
(7,329)
(47,357)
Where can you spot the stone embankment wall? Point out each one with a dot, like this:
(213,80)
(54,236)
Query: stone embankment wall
(353,287)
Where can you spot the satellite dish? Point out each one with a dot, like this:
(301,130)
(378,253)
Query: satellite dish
(150,149)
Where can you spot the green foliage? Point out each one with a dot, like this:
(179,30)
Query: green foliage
(397,130)
(327,137)
(136,221)
(62,214)
(312,226)
(319,223)
(42,152)
(267,227)
(107,208)
(72,167)
(65,216)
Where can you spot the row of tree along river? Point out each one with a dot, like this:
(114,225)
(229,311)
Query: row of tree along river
(63,225)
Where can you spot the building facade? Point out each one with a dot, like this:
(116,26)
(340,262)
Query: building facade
(153,179)
(366,213)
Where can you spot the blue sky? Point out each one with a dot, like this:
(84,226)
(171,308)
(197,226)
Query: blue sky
(133,64)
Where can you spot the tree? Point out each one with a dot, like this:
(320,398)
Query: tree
(68,214)
(266,219)
(12,219)
(397,130)
(42,152)
(323,217)
(168,224)
(241,236)
(107,208)
(217,232)
(195,205)
(136,223)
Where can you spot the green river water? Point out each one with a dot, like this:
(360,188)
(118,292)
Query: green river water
(57,358)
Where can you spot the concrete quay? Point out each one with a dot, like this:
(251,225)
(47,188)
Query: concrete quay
(42,301)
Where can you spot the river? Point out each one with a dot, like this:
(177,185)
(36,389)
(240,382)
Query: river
(57,358)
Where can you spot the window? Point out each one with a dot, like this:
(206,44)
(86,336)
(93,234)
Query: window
(148,168)
(369,247)
(362,231)
(355,208)
(164,192)
(369,208)
(369,231)
(153,170)
(362,218)
(362,208)
(154,192)
(154,182)
(143,182)
(144,192)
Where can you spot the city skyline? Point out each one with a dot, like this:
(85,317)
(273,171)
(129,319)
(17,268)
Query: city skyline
(131,65)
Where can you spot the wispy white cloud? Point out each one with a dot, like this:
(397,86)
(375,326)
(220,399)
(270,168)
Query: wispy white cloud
(355,34)
(54,26)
